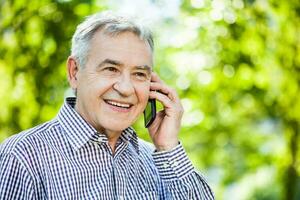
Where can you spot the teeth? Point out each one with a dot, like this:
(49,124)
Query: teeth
(118,104)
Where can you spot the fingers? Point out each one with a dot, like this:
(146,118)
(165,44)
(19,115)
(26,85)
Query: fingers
(155,78)
(170,107)
(165,94)
(165,90)
(158,85)
(165,100)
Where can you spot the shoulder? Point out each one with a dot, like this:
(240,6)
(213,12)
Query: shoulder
(24,139)
(146,148)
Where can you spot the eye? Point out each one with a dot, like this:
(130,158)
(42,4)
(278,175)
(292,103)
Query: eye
(141,75)
(111,69)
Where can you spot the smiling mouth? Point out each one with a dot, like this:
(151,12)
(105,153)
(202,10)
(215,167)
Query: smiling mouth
(118,104)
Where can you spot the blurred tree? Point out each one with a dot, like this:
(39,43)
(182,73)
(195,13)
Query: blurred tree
(35,42)
(246,85)
(236,66)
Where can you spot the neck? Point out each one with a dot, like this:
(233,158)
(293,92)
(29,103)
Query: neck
(112,137)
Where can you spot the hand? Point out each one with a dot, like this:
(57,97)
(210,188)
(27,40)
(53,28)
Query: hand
(165,128)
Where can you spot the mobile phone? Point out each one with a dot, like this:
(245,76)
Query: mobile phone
(150,112)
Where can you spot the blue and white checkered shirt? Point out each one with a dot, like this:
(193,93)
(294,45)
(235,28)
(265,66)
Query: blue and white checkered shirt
(66,158)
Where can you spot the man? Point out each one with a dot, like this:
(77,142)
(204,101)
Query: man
(89,151)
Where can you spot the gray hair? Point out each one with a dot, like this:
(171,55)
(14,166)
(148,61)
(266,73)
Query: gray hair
(110,24)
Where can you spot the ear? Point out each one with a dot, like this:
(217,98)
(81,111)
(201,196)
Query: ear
(72,70)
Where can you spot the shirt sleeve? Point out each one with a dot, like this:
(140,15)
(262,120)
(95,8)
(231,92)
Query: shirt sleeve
(15,181)
(180,179)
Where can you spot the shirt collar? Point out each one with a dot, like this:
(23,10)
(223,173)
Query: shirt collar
(129,134)
(79,132)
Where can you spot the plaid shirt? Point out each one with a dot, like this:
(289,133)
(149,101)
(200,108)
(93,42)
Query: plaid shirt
(66,158)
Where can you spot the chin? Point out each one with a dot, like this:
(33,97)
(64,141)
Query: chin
(117,126)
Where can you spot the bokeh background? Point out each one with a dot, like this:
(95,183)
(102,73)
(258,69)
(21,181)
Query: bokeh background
(234,63)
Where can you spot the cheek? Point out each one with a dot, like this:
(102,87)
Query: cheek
(143,94)
(96,85)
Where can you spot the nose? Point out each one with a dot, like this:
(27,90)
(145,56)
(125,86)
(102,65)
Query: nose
(124,86)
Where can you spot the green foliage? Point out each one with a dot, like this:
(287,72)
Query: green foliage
(35,42)
(234,63)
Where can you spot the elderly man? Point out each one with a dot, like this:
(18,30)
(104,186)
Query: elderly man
(89,150)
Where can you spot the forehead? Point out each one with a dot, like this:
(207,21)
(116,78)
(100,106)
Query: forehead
(126,47)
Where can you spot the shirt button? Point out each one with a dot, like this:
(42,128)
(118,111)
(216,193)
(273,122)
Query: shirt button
(175,164)
(121,197)
(165,165)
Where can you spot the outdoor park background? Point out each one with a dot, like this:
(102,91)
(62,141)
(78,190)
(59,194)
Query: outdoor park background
(234,63)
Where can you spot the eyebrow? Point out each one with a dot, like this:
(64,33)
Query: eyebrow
(144,67)
(110,61)
(118,63)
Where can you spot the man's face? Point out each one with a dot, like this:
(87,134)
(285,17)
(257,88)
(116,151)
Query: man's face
(113,87)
